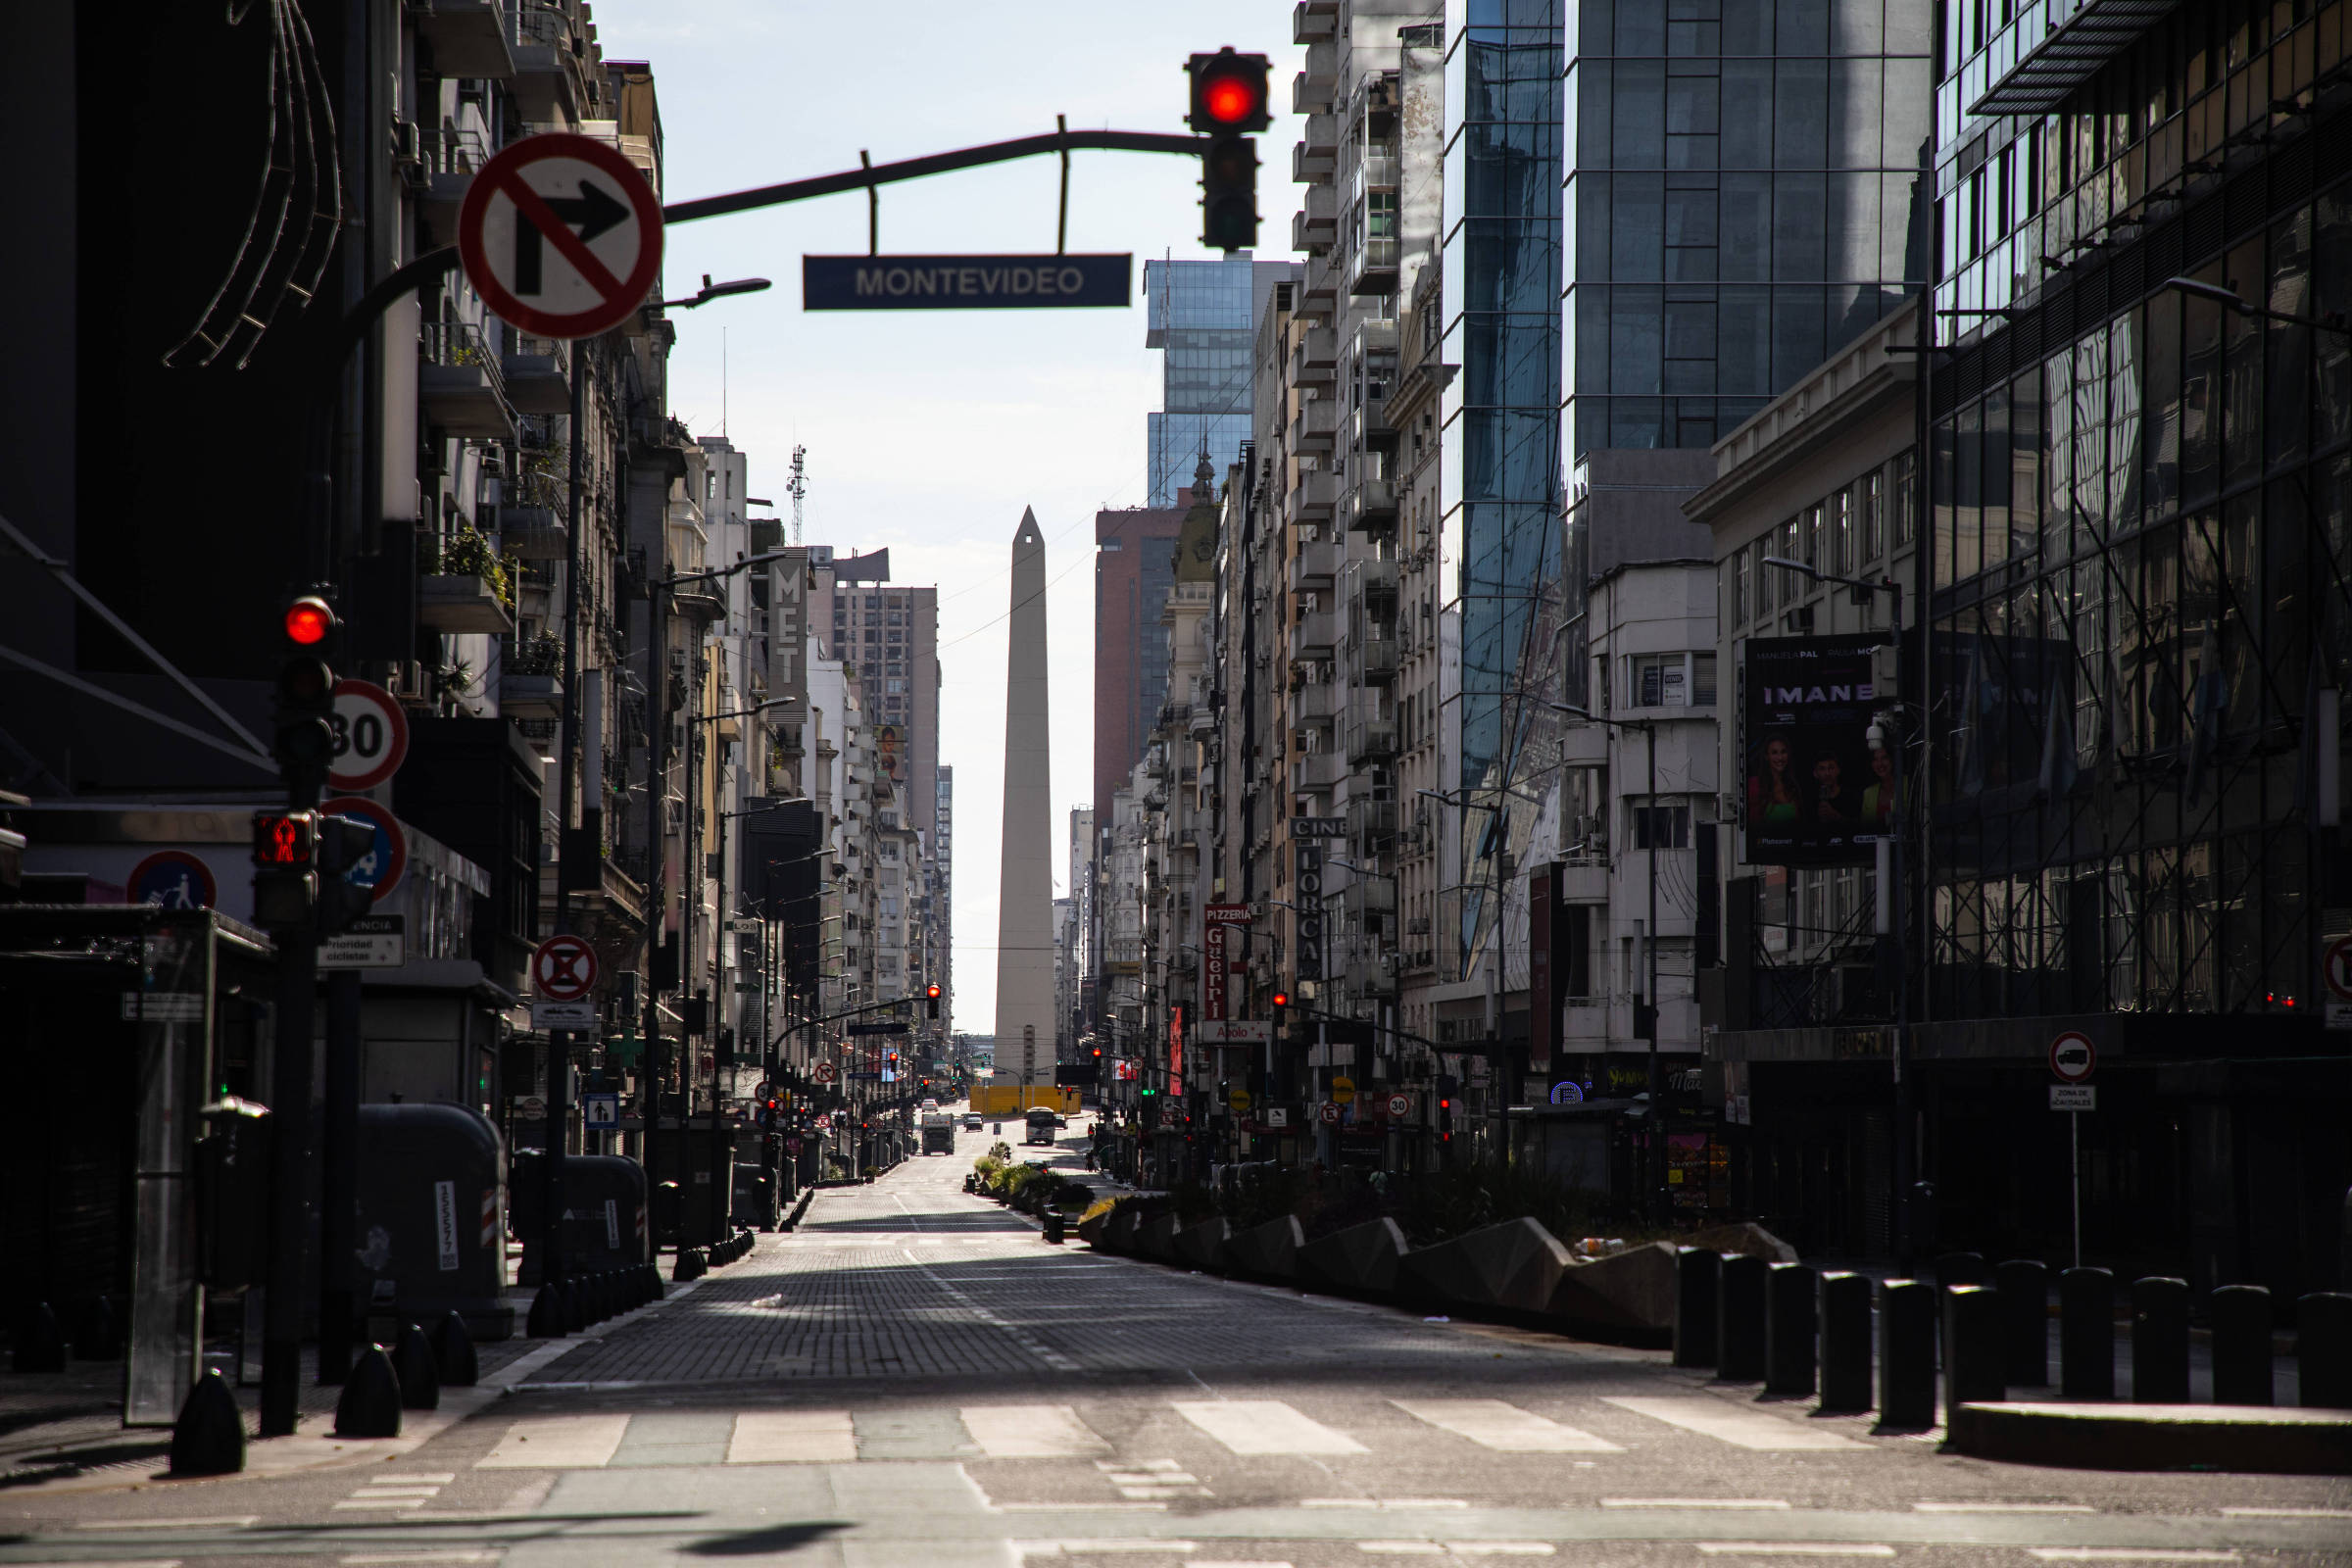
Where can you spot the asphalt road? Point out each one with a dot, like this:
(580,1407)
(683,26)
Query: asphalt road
(914,1380)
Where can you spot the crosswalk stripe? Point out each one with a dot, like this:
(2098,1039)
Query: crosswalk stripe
(1728,1423)
(557,1442)
(1264,1427)
(1031,1432)
(1503,1427)
(793,1437)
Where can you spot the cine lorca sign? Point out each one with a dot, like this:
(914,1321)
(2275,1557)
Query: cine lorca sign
(962,282)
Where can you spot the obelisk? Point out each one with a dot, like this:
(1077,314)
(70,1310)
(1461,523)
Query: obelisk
(1025,882)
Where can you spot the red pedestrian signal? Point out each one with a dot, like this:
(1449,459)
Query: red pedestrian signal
(1229,92)
(307,622)
(284,838)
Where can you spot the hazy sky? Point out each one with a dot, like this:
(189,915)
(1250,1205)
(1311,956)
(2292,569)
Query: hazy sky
(928,431)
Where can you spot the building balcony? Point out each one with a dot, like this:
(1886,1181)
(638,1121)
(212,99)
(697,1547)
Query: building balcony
(1312,499)
(458,384)
(530,697)
(538,374)
(1318,771)
(1315,360)
(1315,702)
(1372,740)
(442,171)
(1317,225)
(1373,269)
(1314,20)
(1314,635)
(1369,895)
(461,604)
(1372,505)
(1316,426)
(1371,821)
(1585,880)
(1312,88)
(550,77)
(1317,562)
(534,532)
(1314,154)
(1375,658)
(1375,169)
(1584,1021)
(468,37)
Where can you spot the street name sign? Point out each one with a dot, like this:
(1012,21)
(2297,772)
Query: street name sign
(560,235)
(371,736)
(962,282)
(371,942)
(898,1028)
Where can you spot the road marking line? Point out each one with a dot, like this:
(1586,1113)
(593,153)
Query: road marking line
(1501,1548)
(1725,1423)
(557,1442)
(1081,1507)
(380,1559)
(2004,1507)
(443,1478)
(1089,1547)
(377,1489)
(2127,1554)
(793,1437)
(379,1502)
(2288,1513)
(224,1521)
(1692,1502)
(1795,1548)
(1382,1503)
(1241,1565)
(1401,1548)
(109,1562)
(1503,1427)
(1031,1432)
(1264,1427)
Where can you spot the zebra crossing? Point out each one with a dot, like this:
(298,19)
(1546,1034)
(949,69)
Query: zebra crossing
(1250,1429)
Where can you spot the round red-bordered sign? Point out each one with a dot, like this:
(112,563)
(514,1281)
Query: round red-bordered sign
(371,736)
(563,968)
(172,879)
(391,844)
(2335,966)
(2073,1057)
(516,235)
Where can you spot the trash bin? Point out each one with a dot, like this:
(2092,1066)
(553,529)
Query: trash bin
(430,1231)
(604,1213)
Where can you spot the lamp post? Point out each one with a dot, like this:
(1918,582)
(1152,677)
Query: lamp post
(1497,1058)
(1893,917)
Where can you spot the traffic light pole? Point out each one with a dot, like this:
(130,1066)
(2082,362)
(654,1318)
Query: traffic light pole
(339,1198)
(559,1040)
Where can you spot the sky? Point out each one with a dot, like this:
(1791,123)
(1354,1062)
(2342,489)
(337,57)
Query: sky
(928,432)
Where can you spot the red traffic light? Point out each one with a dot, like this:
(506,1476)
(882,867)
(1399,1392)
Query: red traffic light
(1229,92)
(1282,999)
(307,622)
(932,992)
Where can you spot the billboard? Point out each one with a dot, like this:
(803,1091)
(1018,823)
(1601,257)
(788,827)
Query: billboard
(1815,791)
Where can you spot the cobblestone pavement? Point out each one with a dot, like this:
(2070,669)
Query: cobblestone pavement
(917,1380)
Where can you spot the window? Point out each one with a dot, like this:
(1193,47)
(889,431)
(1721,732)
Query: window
(1671,680)
(1661,827)
(1903,483)
(1742,574)
(1873,499)
(1702,681)
(894,685)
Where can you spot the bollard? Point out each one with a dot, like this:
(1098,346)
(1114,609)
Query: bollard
(454,1360)
(2159,1341)
(689,1265)
(1844,1312)
(2324,1351)
(1972,1343)
(1697,1282)
(1789,1328)
(2086,1334)
(1054,1222)
(1960,1268)
(420,1377)
(653,1281)
(2241,1345)
(546,1321)
(2025,1289)
(95,1335)
(571,1300)
(1907,1354)
(371,1403)
(1739,1320)
(209,1437)
(40,1344)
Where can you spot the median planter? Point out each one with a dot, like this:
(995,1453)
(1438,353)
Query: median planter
(1361,1260)
(1268,1252)
(1514,1266)
(1119,1235)
(1201,1243)
(1629,1297)
(1155,1238)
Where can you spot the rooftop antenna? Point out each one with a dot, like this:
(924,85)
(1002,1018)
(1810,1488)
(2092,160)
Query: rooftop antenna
(796,487)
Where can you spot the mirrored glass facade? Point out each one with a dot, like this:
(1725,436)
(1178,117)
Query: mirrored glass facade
(1201,315)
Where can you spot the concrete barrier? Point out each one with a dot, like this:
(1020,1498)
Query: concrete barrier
(1201,1243)
(1361,1260)
(1155,1238)
(1747,1239)
(1268,1252)
(1119,1235)
(1629,1297)
(1089,1230)
(1512,1266)
(2249,1439)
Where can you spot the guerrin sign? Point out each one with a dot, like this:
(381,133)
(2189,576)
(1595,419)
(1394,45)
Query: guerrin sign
(962,282)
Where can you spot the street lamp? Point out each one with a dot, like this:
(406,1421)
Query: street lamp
(2228,297)
(716,291)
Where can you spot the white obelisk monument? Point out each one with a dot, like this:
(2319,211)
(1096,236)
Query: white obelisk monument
(1025,884)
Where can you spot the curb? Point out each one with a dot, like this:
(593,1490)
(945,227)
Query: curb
(2247,1438)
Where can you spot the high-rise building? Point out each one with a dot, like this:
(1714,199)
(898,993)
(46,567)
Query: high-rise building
(1133,549)
(1201,315)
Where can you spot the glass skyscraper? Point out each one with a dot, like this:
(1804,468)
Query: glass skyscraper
(1203,316)
(1742,197)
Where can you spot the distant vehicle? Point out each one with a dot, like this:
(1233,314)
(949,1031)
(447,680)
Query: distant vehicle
(971,1121)
(1041,1123)
(938,1130)
(929,1104)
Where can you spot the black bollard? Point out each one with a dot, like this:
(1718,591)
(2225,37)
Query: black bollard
(1739,1320)
(1053,1224)
(371,1403)
(2025,1291)
(1697,1282)
(2241,1345)
(419,1377)
(546,1319)
(2159,1341)
(653,1281)
(40,1343)
(1843,1313)
(2324,1351)
(209,1437)
(689,1265)
(454,1360)
(2086,1334)
(1972,1340)
(1789,1328)
(95,1336)
(601,1293)
(1907,1354)
(1960,1268)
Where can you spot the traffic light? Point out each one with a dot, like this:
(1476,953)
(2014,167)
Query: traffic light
(1445,1121)
(1282,999)
(306,699)
(931,1001)
(343,843)
(1229,99)
(285,883)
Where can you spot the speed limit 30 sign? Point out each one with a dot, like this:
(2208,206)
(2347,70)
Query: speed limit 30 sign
(371,736)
